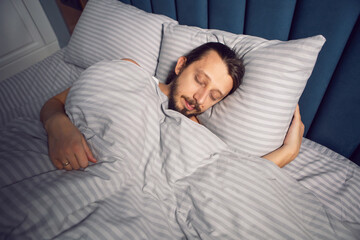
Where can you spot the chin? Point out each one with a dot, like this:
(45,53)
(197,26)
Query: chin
(189,114)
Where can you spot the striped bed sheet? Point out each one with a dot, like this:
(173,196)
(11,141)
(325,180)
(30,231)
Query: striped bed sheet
(23,94)
(155,179)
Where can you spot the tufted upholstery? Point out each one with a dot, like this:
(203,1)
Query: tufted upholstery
(330,104)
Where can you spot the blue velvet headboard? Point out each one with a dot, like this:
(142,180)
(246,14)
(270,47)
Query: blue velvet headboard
(330,104)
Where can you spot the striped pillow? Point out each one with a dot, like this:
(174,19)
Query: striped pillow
(255,118)
(110,29)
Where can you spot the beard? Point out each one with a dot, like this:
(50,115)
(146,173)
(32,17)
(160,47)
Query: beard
(174,105)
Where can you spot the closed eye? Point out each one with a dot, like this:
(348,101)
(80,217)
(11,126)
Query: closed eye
(212,97)
(215,95)
(199,81)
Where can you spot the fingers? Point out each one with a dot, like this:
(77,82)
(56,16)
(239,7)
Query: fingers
(296,130)
(73,157)
(62,164)
(67,165)
(298,116)
(297,111)
(73,162)
(68,148)
(82,155)
(82,158)
(297,120)
(89,155)
(57,163)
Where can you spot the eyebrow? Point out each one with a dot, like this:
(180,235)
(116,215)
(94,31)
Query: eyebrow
(207,76)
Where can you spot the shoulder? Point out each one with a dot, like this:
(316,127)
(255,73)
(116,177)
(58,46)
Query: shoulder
(194,119)
(130,60)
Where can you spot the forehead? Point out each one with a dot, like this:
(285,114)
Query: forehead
(214,70)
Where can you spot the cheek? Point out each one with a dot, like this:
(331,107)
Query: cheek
(209,104)
(186,87)
(228,87)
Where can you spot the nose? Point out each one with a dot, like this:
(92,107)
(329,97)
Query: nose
(201,95)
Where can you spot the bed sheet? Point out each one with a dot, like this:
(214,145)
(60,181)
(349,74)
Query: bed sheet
(23,94)
(155,180)
(333,178)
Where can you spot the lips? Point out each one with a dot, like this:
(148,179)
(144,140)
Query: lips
(188,106)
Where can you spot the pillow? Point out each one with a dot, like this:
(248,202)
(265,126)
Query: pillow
(110,29)
(256,117)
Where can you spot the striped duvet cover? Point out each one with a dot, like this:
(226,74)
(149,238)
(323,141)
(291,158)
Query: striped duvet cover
(161,176)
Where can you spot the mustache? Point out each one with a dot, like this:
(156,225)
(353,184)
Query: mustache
(194,103)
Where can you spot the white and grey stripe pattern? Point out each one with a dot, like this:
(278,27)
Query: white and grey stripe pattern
(331,177)
(110,29)
(23,94)
(159,176)
(256,117)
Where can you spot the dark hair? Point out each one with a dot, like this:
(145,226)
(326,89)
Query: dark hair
(234,64)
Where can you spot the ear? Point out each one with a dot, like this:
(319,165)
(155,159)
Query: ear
(180,64)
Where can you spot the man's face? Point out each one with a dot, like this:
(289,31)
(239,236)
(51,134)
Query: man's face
(199,85)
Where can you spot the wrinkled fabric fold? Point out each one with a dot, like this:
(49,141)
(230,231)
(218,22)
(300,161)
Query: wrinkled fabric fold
(159,175)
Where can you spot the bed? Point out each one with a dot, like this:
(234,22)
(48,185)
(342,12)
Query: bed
(161,176)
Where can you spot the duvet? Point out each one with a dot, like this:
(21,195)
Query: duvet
(159,175)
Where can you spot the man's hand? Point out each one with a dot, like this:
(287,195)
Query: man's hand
(295,134)
(291,147)
(68,148)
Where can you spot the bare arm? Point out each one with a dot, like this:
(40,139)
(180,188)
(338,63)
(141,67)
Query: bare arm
(291,147)
(54,106)
(67,146)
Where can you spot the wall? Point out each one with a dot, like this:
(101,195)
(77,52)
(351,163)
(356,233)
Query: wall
(56,20)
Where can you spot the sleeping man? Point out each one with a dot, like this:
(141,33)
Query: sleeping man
(200,79)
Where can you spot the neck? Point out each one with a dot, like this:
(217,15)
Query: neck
(194,119)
